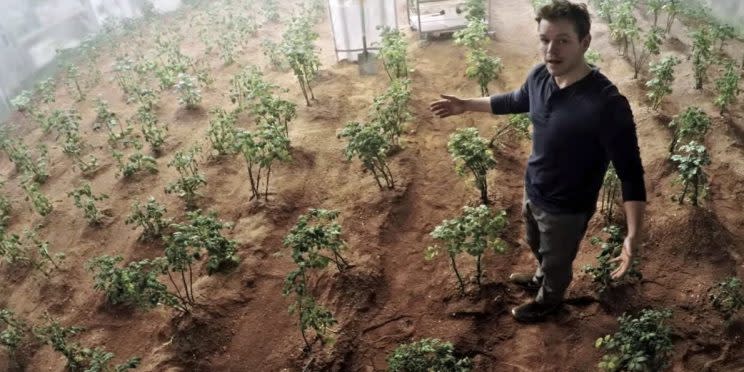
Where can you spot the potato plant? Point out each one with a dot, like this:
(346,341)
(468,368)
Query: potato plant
(605,9)
(73,144)
(125,76)
(178,260)
(189,93)
(86,166)
(227,44)
(315,233)
(610,248)
(73,82)
(311,314)
(473,36)
(482,68)
(691,124)
(222,132)
(45,89)
(67,125)
(654,8)
(393,49)
(135,284)
(117,133)
(314,9)
(471,154)
(19,154)
(5,209)
(23,102)
(476,10)
(316,240)
(171,61)
(727,297)
(276,112)
(428,354)
(90,51)
(79,358)
(702,56)
(368,143)
(390,110)
(12,249)
(592,56)
(270,10)
(105,118)
(696,12)
(727,86)
(722,32)
(38,200)
(610,188)
(168,75)
(624,26)
(651,46)
(200,69)
(518,124)
(149,216)
(14,332)
(244,27)
(662,77)
(476,231)
(203,232)
(136,163)
(672,7)
(642,343)
(185,187)
(273,52)
(45,256)
(691,173)
(261,149)
(248,86)
(84,199)
(49,120)
(185,246)
(153,133)
(299,49)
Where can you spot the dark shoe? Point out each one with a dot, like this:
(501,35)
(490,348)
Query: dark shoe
(532,311)
(525,280)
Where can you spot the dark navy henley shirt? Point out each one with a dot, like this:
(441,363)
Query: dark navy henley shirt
(577,131)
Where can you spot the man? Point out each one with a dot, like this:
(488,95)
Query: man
(580,123)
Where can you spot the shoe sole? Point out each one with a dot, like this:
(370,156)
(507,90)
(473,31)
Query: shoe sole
(531,321)
(526,321)
(527,287)
(532,287)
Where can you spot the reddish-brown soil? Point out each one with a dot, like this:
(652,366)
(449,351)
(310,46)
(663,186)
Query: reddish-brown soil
(391,295)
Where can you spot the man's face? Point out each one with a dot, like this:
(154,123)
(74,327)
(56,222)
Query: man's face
(560,46)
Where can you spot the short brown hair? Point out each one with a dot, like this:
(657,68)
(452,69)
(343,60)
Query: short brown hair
(563,9)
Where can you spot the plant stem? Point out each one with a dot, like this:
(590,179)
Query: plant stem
(457,273)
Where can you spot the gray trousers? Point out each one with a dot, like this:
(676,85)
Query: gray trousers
(554,240)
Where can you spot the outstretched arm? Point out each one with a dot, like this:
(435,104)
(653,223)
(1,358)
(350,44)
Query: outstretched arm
(514,102)
(451,105)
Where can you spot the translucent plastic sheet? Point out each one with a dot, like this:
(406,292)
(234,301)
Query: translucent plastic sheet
(346,19)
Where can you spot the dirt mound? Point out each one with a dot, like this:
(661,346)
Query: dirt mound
(698,236)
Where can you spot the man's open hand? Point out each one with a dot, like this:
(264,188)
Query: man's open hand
(625,258)
(448,106)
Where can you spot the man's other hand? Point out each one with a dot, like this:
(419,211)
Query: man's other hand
(625,258)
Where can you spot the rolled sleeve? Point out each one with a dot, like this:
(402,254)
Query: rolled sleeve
(620,143)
